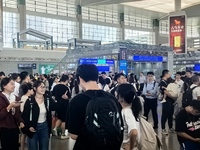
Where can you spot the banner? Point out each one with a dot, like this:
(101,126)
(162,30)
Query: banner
(46,69)
(177,33)
(123,66)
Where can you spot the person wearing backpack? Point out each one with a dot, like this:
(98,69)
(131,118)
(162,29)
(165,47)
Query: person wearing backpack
(149,92)
(193,93)
(94,118)
(131,109)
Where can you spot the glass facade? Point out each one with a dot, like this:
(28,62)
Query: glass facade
(142,37)
(61,30)
(10,27)
(102,33)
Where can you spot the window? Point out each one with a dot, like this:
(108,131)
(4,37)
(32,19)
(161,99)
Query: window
(98,32)
(10,27)
(140,37)
(61,30)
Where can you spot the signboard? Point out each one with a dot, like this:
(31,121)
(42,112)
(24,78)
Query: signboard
(96,61)
(28,66)
(143,58)
(123,66)
(177,33)
(123,54)
(45,69)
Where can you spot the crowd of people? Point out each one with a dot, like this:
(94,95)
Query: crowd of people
(100,111)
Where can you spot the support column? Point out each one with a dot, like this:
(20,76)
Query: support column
(1,25)
(22,16)
(122,26)
(156,30)
(177,5)
(170,62)
(80,21)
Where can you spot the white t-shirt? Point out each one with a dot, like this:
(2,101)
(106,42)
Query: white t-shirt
(129,124)
(43,112)
(16,90)
(196,92)
(106,87)
(180,83)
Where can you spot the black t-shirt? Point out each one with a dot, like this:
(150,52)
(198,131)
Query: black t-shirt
(59,90)
(75,121)
(164,83)
(187,123)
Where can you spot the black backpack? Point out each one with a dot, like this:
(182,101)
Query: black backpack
(103,121)
(187,97)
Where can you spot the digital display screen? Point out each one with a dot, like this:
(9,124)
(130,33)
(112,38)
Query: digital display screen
(123,66)
(140,58)
(197,67)
(96,61)
(103,68)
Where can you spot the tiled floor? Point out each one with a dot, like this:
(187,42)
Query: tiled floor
(169,142)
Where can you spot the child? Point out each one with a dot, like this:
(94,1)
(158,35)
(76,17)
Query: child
(173,89)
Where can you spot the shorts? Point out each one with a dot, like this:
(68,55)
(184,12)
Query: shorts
(62,110)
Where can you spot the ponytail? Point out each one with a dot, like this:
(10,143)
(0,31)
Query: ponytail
(136,107)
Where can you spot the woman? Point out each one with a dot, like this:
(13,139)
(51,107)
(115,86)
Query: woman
(10,117)
(76,89)
(133,81)
(27,90)
(56,81)
(102,84)
(37,117)
(131,109)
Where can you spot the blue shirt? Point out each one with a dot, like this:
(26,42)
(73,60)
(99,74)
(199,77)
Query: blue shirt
(149,87)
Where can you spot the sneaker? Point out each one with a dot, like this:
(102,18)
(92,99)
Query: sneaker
(172,130)
(164,131)
(163,101)
(55,132)
(64,137)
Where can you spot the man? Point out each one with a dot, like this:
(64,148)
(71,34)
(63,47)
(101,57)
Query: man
(87,76)
(188,80)
(120,79)
(150,91)
(105,76)
(168,106)
(196,91)
(16,79)
(142,81)
(62,94)
(183,76)
(188,126)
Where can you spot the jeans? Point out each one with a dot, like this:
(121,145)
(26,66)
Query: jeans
(189,145)
(151,104)
(40,138)
(167,114)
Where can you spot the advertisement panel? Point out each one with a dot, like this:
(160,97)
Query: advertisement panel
(45,69)
(177,33)
(123,66)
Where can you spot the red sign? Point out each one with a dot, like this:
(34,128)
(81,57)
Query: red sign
(177,33)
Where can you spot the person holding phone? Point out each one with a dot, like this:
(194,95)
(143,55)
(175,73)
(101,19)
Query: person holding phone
(10,117)
(37,117)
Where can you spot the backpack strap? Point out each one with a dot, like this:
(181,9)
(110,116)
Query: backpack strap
(194,88)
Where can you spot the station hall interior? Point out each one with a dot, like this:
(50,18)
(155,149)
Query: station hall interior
(56,36)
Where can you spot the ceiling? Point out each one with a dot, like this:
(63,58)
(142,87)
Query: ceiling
(163,6)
